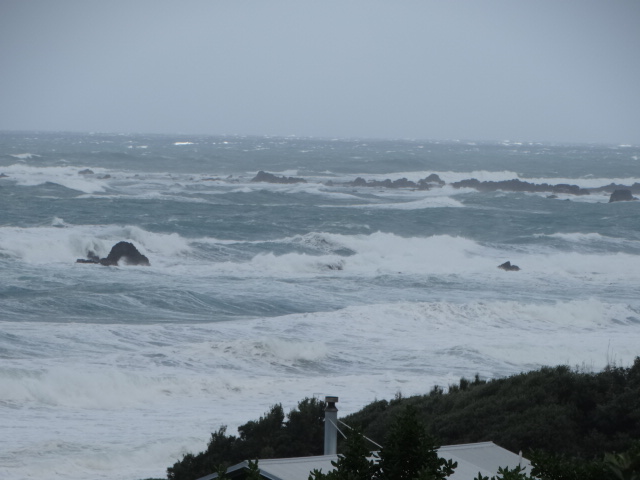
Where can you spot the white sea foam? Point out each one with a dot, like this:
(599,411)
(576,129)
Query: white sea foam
(308,188)
(67,386)
(602,197)
(591,238)
(375,254)
(69,177)
(384,253)
(24,156)
(51,245)
(160,399)
(404,336)
(427,202)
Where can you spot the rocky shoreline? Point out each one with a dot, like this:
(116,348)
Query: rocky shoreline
(618,192)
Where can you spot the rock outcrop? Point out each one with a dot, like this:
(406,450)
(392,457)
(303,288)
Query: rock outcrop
(621,196)
(422,184)
(517,185)
(124,252)
(271,178)
(634,188)
(508,267)
(434,181)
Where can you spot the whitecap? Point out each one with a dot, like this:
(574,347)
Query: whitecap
(55,245)
(68,177)
(24,156)
(428,202)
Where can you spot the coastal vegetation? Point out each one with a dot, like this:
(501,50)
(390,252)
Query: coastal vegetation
(572,424)
(274,435)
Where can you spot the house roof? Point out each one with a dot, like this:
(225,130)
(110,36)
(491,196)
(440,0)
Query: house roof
(472,458)
(485,458)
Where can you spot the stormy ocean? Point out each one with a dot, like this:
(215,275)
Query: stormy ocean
(261,293)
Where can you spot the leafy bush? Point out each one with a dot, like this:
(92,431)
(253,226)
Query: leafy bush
(272,436)
(554,409)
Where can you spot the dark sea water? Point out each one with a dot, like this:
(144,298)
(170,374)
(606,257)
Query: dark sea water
(261,293)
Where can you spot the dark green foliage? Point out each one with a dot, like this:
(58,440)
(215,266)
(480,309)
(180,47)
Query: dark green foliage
(563,420)
(262,436)
(552,409)
(222,472)
(253,471)
(624,466)
(610,466)
(410,453)
(353,464)
(301,434)
(304,432)
(552,466)
(506,474)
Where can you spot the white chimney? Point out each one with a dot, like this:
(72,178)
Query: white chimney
(330,426)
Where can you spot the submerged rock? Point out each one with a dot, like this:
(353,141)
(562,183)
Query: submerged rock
(91,258)
(621,196)
(508,267)
(339,265)
(86,260)
(124,252)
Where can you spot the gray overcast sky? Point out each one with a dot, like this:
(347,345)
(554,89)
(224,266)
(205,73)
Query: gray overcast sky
(529,70)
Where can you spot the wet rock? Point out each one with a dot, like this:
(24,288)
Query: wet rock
(403,183)
(124,252)
(423,184)
(517,185)
(621,196)
(508,267)
(339,265)
(271,178)
(432,180)
(359,182)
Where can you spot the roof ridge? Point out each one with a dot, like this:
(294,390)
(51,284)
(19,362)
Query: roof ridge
(468,445)
(307,458)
